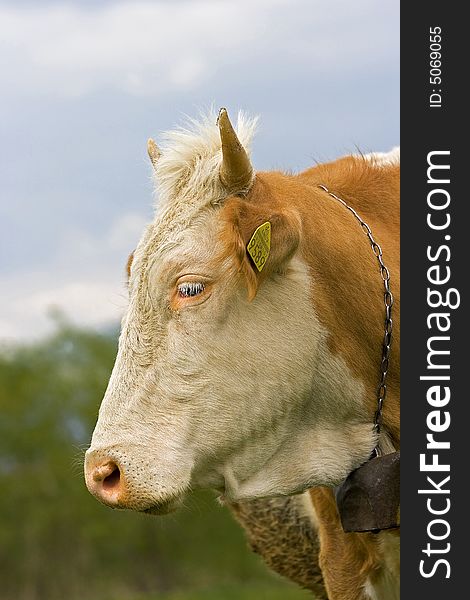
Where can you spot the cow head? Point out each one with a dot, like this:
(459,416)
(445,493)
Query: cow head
(222,378)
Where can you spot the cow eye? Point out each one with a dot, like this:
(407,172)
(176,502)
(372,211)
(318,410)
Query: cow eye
(188,289)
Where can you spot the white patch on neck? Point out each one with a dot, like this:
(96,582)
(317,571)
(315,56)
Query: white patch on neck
(306,509)
(382,159)
(325,430)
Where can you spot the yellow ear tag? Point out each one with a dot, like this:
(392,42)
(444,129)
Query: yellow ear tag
(260,244)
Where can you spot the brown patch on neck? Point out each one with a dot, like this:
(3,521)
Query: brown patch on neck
(347,289)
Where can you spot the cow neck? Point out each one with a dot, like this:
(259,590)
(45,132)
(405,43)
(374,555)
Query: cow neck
(369,497)
(388,323)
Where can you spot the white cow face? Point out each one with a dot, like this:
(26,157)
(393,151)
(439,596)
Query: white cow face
(217,367)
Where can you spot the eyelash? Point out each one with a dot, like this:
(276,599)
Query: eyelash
(189,289)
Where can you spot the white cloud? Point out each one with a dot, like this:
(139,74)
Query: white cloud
(85,282)
(83,302)
(149,48)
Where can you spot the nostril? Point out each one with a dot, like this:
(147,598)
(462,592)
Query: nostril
(106,482)
(108,470)
(112,480)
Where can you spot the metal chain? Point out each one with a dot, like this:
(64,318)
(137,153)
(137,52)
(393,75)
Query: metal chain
(388,301)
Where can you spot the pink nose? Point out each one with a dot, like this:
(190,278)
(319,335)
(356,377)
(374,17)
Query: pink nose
(105,482)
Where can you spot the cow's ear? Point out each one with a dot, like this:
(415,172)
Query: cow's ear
(129,265)
(262,241)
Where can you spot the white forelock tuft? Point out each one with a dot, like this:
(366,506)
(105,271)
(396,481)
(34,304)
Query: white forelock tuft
(191,156)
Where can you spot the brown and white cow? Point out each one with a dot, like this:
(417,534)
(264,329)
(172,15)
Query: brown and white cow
(258,384)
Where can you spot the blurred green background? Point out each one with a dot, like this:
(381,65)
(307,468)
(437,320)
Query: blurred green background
(56,541)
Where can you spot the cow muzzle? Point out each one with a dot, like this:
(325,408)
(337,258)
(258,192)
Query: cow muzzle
(105,481)
(112,481)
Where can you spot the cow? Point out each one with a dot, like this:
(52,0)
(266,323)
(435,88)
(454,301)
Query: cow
(250,351)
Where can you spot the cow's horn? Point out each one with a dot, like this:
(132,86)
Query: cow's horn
(153,152)
(236,172)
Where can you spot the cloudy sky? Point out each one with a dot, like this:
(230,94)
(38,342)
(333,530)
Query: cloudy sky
(84,84)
